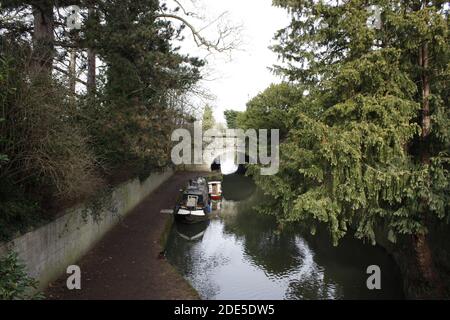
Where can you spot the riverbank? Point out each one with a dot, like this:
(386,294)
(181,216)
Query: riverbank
(404,255)
(126,263)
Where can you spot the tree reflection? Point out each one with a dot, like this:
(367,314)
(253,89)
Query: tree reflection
(244,251)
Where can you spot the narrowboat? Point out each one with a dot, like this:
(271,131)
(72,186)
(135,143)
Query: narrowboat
(215,190)
(195,203)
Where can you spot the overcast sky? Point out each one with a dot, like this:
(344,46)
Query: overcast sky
(236,81)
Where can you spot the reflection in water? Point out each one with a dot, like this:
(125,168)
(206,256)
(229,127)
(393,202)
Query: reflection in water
(191,232)
(241,255)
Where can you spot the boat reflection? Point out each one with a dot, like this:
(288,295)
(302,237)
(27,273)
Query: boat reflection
(216,205)
(192,232)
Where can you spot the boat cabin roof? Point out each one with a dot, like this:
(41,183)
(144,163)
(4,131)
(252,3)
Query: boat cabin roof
(194,191)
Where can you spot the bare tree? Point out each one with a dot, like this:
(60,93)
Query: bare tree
(227,35)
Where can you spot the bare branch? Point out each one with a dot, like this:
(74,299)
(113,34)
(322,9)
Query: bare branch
(188,13)
(227,40)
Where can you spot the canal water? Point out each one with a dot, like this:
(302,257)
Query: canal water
(240,254)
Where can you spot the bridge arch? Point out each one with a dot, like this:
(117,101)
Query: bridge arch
(227,162)
(222,153)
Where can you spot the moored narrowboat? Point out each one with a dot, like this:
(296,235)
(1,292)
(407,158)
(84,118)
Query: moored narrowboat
(215,190)
(195,203)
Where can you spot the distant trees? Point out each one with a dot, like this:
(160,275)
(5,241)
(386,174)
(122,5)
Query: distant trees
(208,121)
(230,118)
(270,109)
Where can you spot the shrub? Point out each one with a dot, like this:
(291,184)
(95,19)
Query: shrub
(45,152)
(48,148)
(15,284)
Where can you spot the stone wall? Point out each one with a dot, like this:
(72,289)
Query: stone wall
(50,249)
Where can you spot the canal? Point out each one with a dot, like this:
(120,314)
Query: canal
(240,254)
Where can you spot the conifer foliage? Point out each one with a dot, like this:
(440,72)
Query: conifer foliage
(368,145)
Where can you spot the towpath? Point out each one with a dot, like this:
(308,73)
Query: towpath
(126,263)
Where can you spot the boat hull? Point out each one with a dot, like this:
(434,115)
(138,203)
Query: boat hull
(192,232)
(190,219)
(191,216)
(216,197)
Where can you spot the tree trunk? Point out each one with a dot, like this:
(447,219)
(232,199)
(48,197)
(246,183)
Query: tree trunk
(422,249)
(425,263)
(43,39)
(91,79)
(73,70)
(91,57)
(426,121)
